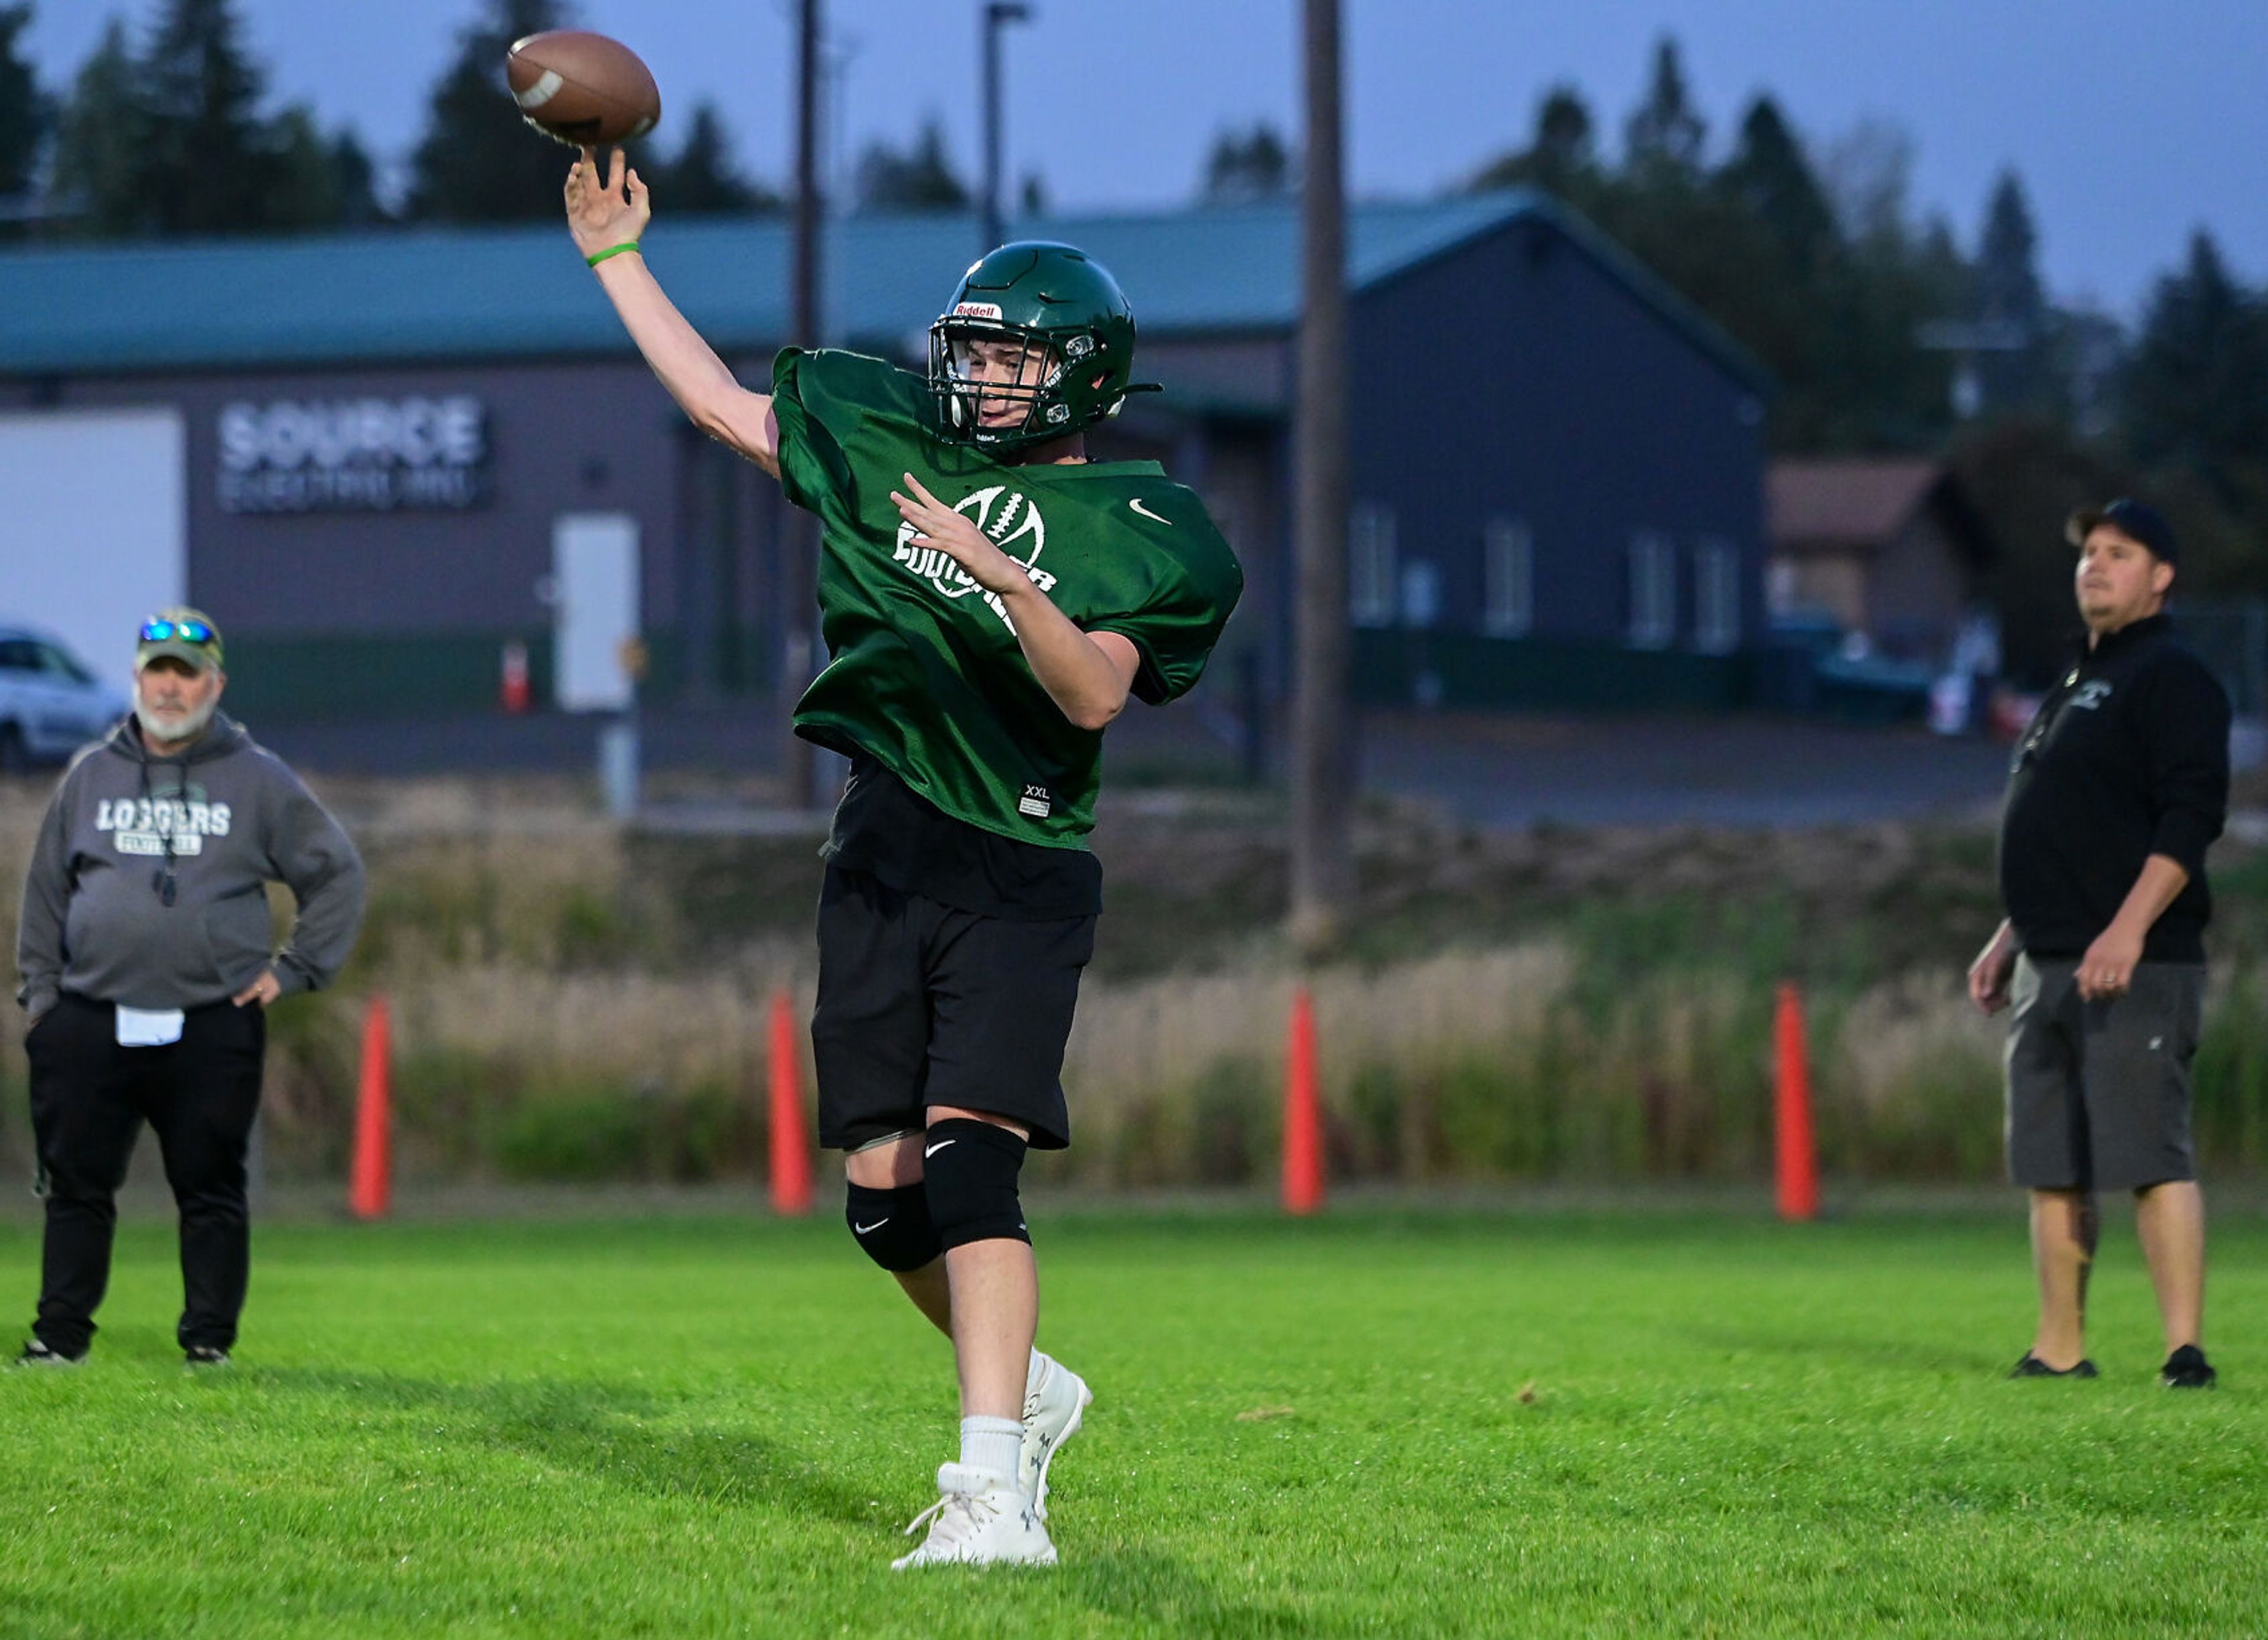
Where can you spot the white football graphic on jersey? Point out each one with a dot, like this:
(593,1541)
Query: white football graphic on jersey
(1007,516)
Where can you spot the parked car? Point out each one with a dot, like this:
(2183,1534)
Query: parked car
(1811,665)
(50,704)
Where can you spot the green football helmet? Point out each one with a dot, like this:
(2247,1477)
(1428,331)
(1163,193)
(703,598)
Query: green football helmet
(1073,337)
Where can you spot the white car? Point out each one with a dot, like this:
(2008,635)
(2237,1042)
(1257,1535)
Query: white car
(50,704)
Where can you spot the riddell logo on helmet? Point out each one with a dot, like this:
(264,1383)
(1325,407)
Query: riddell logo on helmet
(976,310)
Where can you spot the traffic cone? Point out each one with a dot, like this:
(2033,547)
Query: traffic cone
(370,1182)
(1303,1123)
(1798,1161)
(514,688)
(790,1150)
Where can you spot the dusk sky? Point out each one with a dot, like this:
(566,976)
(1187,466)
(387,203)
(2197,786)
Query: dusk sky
(2131,124)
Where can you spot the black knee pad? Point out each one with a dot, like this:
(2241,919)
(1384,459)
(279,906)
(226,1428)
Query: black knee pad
(970,1169)
(893,1227)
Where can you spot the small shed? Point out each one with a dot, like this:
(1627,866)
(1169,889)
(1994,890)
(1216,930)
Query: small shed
(1887,547)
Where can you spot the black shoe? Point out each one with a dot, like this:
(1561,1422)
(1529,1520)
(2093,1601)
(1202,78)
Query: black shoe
(2032,1367)
(2187,1368)
(204,1356)
(37,1355)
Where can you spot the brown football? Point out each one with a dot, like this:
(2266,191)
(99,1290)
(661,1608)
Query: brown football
(580,88)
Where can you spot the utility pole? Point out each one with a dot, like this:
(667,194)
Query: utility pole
(1322,855)
(997,14)
(800,529)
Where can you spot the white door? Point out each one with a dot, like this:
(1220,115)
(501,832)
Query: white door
(94,534)
(594,569)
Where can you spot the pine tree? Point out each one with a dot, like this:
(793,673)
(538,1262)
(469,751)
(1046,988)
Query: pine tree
(478,161)
(356,178)
(1245,166)
(1769,176)
(98,144)
(26,114)
(208,164)
(1562,158)
(921,178)
(1665,133)
(1566,142)
(2193,389)
(2011,306)
(326,182)
(702,175)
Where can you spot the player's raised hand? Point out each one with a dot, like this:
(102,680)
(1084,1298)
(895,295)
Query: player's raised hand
(603,213)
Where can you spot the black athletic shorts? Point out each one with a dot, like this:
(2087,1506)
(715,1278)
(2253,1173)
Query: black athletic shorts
(920,1004)
(2099,1092)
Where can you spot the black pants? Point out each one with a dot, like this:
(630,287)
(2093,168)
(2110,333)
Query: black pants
(89,1099)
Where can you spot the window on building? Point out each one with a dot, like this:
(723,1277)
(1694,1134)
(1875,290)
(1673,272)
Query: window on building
(1508,578)
(1653,590)
(1374,588)
(1716,597)
(1421,593)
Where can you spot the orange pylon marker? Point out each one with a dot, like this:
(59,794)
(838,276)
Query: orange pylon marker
(790,1150)
(1798,1159)
(370,1182)
(1303,1121)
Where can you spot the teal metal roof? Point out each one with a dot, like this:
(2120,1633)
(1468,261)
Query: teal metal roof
(502,293)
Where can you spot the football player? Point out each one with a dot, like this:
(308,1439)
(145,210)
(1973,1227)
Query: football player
(990,597)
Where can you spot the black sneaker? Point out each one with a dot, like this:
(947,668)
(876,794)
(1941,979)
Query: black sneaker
(2187,1368)
(2032,1367)
(37,1355)
(204,1356)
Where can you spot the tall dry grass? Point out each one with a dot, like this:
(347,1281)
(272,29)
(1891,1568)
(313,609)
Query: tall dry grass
(569,1003)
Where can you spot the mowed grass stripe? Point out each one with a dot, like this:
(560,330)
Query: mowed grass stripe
(1374,1424)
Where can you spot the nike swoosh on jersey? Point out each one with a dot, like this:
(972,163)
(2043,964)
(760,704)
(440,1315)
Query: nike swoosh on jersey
(1136,503)
(860,1229)
(939,1145)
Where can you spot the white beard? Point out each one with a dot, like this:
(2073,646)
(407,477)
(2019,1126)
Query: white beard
(180,729)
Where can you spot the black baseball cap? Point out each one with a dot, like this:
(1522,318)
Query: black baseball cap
(2137,520)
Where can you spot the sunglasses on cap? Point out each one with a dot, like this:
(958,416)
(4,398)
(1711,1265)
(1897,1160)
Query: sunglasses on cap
(178,632)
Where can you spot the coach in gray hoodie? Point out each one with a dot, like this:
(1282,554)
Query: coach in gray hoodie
(147,955)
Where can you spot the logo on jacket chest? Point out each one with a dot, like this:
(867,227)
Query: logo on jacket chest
(146,825)
(1009,520)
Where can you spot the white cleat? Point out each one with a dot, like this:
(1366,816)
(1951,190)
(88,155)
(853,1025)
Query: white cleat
(1052,1410)
(978,1520)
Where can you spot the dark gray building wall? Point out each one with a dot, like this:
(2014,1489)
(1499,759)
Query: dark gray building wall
(318,605)
(1517,377)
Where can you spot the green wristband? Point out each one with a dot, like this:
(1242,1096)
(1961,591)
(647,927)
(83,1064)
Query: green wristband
(612,250)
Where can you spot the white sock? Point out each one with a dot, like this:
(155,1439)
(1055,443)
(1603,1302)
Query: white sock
(993,1445)
(1036,1374)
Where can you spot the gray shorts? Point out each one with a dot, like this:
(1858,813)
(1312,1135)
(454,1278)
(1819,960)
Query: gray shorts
(2099,1092)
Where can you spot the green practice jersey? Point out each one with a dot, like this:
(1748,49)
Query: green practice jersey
(924,674)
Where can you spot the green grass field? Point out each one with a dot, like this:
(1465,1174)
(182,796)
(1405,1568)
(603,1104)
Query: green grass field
(1377,1423)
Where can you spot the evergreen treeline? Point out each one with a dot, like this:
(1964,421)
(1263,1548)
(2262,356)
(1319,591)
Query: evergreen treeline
(164,133)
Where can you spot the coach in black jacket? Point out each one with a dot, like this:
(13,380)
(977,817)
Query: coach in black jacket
(2119,788)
